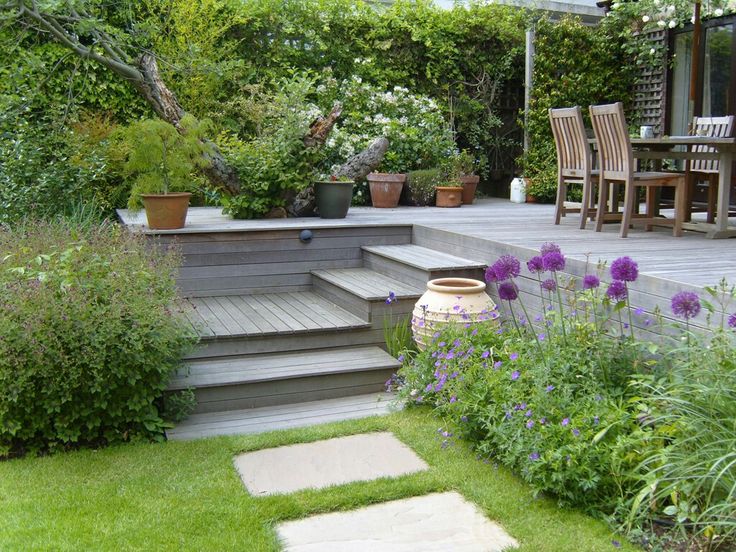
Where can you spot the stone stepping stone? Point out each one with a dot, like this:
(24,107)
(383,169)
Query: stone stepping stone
(323,463)
(441,521)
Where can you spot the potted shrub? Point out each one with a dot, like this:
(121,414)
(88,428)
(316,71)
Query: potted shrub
(420,187)
(162,163)
(464,167)
(333,196)
(385,188)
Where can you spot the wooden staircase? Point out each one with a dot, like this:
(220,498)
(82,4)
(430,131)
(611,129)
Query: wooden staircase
(275,355)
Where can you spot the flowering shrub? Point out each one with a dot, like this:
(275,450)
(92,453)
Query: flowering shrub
(581,407)
(419,137)
(88,338)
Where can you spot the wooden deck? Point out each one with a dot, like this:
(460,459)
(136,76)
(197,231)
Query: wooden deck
(692,259)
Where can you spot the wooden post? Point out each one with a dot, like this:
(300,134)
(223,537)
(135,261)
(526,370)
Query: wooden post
(528,78)
(695,64)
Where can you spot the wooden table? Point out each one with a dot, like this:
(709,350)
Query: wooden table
(661,148)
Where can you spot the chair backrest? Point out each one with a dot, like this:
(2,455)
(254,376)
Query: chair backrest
(573,151)
(720,127)
(616,159)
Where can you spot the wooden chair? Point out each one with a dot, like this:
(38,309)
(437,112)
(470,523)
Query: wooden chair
(706,170)
(616,162)
(574,161)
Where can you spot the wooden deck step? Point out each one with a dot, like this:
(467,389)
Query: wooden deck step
(258,380)
(281,366)
(364,292)
(268,314)
(417,264)
(271,418)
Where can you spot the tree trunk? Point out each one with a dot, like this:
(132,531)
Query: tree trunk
(164,103)
(355,168)
(321,127)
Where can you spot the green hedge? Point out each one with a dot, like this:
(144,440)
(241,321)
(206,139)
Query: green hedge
(573,65)
(89,337)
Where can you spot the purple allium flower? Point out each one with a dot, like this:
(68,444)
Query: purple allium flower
(550,247)
(534,456)
(513,356)
(515,375)
(553,261)
(591,281)
(624,269)
(549,285)
(506,267)
(686,304)
(565,421)
(576,432)
(530,424)
(535,264)
(617,291)
(508,291)
(549,388)
(732,320)
(491,275)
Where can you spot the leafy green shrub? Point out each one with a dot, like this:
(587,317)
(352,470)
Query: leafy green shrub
(420,187)
(162,160)
(419,137)
(90,332)
(276,164)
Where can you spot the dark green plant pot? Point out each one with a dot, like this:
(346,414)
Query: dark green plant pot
(333,198)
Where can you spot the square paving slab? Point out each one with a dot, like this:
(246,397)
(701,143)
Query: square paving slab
(324,463)
(442,521)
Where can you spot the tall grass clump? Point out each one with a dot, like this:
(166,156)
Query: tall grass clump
(90,334)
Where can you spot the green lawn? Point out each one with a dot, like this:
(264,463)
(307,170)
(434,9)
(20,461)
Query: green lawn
(187,495)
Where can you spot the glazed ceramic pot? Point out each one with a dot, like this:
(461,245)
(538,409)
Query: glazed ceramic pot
(449,196)
(470,185)
(385,189)
(166,211)
(333,198)
(451,301)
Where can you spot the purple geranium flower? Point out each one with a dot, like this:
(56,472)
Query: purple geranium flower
(508,291)
(530,424)
(497,364)
(534,456)
(506,267)
(535,264)
(732,320)
(686,304)
(391,297)
(553,261)
(549,284)
(617,291)
(550,247)
(591,281)
(515,375)
(624,269)
(565,421)
(549,388)
(576,432)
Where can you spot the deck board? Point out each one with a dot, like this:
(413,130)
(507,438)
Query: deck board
(267,314)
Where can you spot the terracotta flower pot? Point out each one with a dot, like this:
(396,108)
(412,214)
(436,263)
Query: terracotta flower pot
(449,196)
(166,211)
(470,184)
(451,301)
(386,189)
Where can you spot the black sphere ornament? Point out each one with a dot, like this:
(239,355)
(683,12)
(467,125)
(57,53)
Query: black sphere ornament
(305,236)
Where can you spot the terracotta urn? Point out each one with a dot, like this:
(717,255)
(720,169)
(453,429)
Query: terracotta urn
(386,189)
(470,185)
(449,196)
(451,301)
(166,211)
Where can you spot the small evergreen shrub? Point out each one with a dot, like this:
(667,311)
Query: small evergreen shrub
(420,186)
(89,336)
